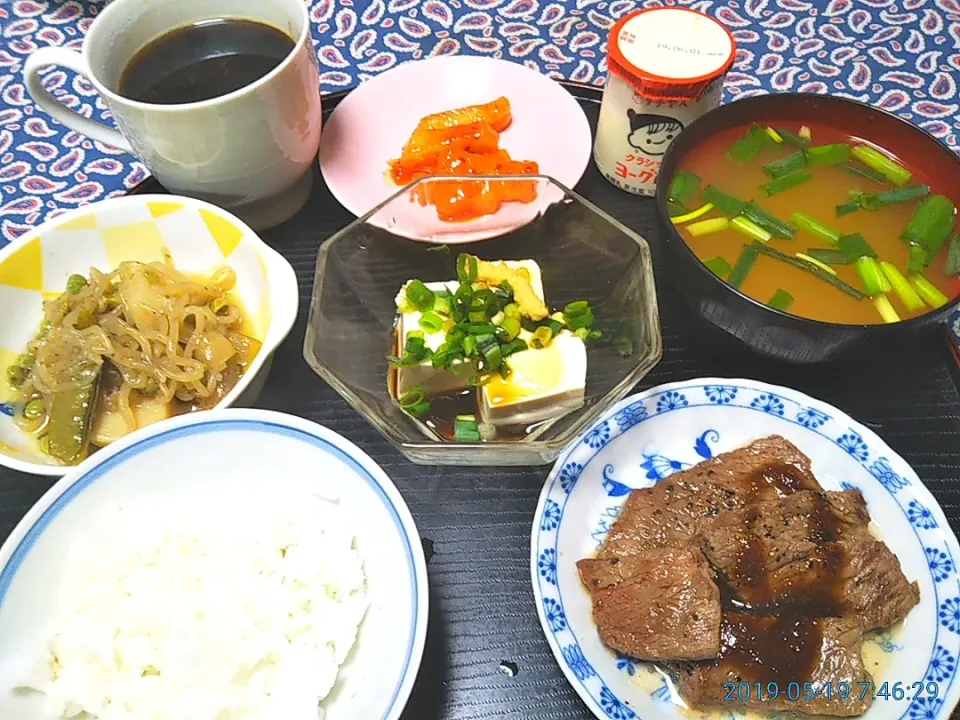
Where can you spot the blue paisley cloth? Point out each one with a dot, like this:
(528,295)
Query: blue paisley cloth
(903,56)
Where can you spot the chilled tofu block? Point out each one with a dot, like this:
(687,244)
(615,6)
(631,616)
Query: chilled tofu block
(437,381)
(433,381)
(543,383)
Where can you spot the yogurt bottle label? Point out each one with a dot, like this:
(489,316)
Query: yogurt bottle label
(633,132)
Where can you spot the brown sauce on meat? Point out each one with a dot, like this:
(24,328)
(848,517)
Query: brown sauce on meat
(771,649)
(778,545)
(778,650)
(785,478)
(817,590)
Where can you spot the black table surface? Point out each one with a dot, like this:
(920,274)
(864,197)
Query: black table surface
(475,522)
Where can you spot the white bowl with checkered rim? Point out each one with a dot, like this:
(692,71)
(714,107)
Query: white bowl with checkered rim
(200,238)
(648,436)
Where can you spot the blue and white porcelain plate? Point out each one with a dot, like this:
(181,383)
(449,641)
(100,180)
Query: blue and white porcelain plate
(648,436)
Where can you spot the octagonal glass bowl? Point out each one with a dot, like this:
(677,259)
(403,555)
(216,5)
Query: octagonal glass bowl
(583,254)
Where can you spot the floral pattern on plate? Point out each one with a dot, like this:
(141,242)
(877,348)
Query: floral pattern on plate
(647,437)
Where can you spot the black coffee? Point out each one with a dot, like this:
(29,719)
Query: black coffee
(203,61)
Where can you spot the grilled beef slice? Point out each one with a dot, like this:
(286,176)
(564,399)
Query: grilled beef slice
(661,604)
(776,651)
(671,512)
(875,588)
(809,553)
(800,560)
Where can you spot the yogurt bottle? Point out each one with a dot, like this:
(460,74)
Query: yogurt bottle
(665,69)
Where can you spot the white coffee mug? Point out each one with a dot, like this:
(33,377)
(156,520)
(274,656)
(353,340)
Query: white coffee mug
(251,151)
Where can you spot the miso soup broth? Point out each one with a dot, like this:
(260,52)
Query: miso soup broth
(805,293)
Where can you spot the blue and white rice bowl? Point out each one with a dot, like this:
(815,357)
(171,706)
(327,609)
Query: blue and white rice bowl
(209,460)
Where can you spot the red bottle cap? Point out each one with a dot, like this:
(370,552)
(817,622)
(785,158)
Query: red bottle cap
(670,54)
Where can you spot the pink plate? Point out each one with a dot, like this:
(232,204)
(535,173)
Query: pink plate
(372,123)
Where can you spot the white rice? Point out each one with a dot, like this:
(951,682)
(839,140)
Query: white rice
(191,618)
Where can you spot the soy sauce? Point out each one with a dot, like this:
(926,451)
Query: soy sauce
(203,61)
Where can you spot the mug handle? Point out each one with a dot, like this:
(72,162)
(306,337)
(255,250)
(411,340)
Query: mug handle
(45,56)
